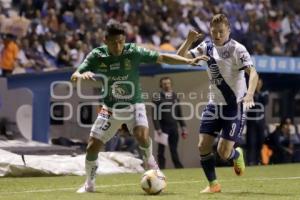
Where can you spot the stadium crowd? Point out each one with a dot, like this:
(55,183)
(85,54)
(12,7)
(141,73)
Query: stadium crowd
(62,32)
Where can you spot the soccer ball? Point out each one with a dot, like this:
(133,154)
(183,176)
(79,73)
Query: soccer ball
(153,182)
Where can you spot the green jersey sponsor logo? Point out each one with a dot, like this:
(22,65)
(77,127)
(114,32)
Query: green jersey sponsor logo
(127,64)
(103,65)
(114,66)
(119,78)
(122,90)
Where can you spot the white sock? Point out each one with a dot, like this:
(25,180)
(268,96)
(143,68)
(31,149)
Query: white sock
(91,171)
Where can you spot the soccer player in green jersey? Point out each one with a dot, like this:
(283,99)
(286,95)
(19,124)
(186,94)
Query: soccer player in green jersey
(118,62)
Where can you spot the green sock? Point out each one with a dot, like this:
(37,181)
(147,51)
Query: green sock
(214,182)
(146,150)
(91,157)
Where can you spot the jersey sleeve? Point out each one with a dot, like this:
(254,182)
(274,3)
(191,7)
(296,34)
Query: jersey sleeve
(146,55)
(243,58)
(198,50)
(89,63)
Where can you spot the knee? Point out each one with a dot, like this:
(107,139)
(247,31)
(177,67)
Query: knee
(204,148)
(93,147)
(141,135)
(224,152)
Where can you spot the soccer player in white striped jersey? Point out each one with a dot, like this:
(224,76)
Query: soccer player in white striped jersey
(227,62)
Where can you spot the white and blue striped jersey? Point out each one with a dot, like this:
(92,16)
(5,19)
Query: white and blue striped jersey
(225,70)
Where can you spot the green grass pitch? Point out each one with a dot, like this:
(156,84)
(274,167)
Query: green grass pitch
(259,183)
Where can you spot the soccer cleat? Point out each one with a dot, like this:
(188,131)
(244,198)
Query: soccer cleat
(151,164)
(86,188)
(215,188)
(239,163)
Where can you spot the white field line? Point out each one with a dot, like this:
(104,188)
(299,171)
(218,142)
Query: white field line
(135,184)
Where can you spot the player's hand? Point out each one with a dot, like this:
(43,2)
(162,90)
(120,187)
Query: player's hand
(88,76)
(85,76)
(196,61)
(194,36)
(248,101)
(75,76)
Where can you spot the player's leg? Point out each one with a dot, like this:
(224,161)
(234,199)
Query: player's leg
(91,165)
(208,162)
(208,132)
(233,120)
(141,133)
(227,151)
(102,130)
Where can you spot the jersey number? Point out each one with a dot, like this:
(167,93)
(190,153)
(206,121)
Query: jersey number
(106,126)
(233,127)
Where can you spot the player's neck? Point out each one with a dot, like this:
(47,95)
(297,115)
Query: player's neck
(226,42)
(116,55)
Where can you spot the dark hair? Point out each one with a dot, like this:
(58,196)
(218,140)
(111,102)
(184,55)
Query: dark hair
(164,78)
(8,36)
(114,27)
(218,19)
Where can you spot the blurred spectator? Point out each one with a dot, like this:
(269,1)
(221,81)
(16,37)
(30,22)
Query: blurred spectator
(42,28)
(166,45)
(256,125)
(265,26)
(23,63)
(52,21)
(28,9)
(281,145)
(294,134)
(183,27)
(50,46)
(175,40)
(77,54)
(64,56)
(36,53)
(9,54)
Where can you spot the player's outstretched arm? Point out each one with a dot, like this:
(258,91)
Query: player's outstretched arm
(253,79)
(174,59)
(85,76)
(191,38)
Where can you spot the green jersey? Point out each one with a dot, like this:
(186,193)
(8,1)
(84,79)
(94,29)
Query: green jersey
(121,72)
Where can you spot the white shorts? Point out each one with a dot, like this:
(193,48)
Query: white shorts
(109,121)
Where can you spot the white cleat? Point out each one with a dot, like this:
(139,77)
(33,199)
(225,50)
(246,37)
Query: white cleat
(161,174)
(86,188)
(152,164)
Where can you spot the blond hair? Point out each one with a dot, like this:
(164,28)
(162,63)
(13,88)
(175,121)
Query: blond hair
(218,19)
